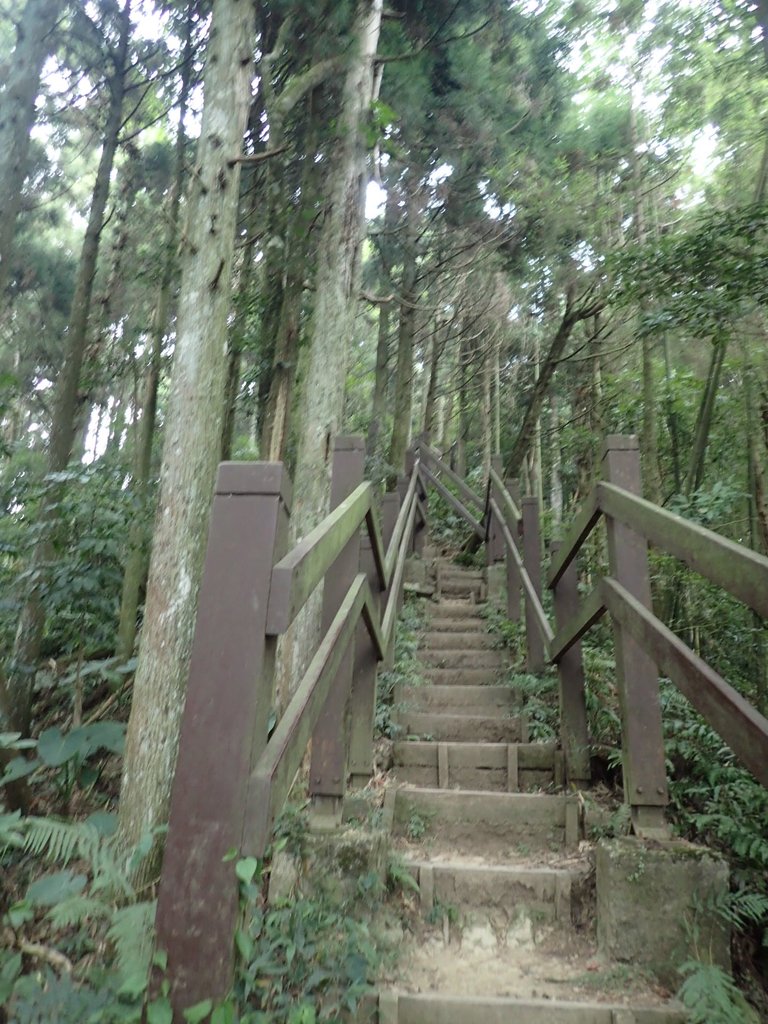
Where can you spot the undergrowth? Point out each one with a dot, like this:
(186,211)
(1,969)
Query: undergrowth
(405,670)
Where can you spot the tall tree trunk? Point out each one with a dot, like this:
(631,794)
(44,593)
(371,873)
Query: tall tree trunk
(29,632)
(485,409)
(193,425)
(337,287)
(462,398)
(497,395)
(136,557)
(649,446)
(380,381)
(403,399)
(695,473)
(34,42)
(571,316)
(556,471)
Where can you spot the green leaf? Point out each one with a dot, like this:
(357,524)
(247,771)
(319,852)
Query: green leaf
(55,888)
(18,768)
(19,914)
(198,1012)
(134,985)
(231,854)
(224,1014)
(159,1012)
(246,868)
(55,749)
(160,959)
(244,944)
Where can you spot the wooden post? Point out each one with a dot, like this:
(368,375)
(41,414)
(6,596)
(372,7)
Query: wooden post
(645,781)
(223,731)
(574,733)
(495,547)
(362,702)
(419,527)
(532,563)
(513,578)
(327,772)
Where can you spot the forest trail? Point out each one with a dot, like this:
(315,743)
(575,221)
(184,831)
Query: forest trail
(481,820)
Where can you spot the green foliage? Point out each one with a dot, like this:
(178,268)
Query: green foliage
(306,956)
(711,996)
(95,906)
(723,259)
(405,671)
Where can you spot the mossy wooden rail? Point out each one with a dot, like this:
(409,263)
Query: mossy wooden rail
(645,646)
(232,777)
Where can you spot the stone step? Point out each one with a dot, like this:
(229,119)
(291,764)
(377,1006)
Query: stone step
(435,1008)
(455,624)
(473,819)
(458,699)
(524,898)
(462,676)
(453,640)
(497,767)
(449,570)
(457,586)
(472,658)
(464,727)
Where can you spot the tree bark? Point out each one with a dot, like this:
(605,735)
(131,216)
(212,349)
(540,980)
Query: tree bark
(34,42)
(403,398)
(29,631)
(695,474)
(193,425)
(337,282)
(524,439)
(136,558)
(649,445)
(337,288)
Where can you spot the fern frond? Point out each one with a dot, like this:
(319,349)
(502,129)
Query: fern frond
(77,911)
(132,935)
(61,841)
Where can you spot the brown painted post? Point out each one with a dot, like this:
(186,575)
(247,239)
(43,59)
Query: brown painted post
(327,772)
(532,562)
(513,578)
(574,732)
(495,546)
(645,781)
(362,702)
(223,731)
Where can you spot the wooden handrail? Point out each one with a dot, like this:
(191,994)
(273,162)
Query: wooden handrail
(460,484)
(378,553)
(275,770)
(742,727)
(738,570)
(453,501)
(585,521)
(393,600)
(590,612)
(397,534)
(296,576)
(507,502)
(540,616)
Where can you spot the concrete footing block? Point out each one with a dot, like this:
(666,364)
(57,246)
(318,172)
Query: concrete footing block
(655,904)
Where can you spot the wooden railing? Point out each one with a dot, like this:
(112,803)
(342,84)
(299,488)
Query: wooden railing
(232,777)
(645,646)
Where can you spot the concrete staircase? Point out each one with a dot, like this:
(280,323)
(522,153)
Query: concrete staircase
(481,821)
